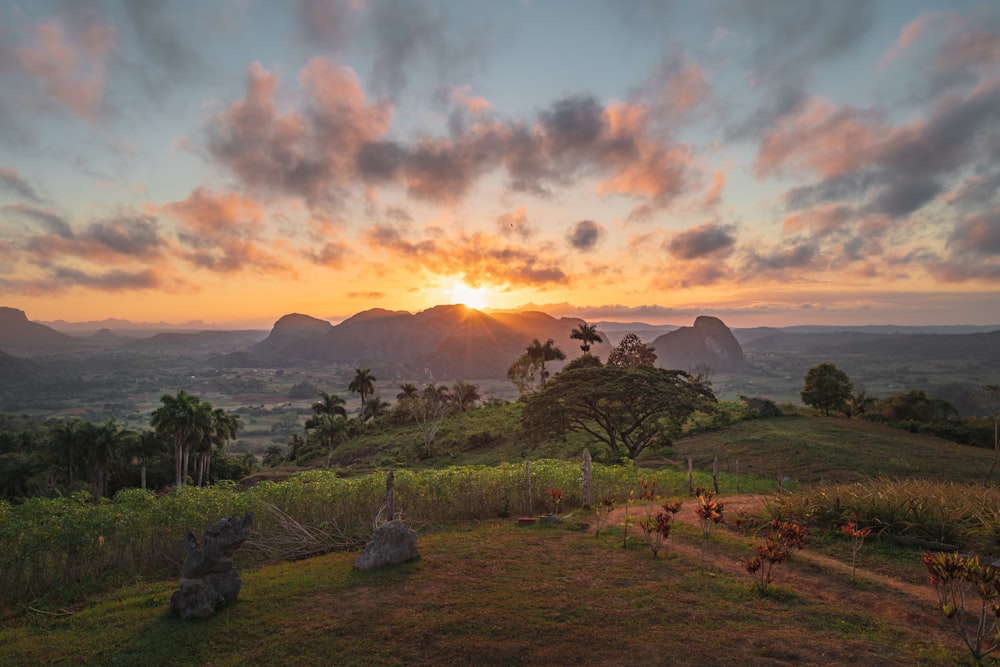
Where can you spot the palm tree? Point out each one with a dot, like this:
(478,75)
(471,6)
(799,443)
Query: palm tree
(147,445)
(539,353)
(105,443)
(465,395)
(65,447)
(363,384)
(177,418)
(329,404)
(329,429)
(587,334)
(407,390)
(375,408)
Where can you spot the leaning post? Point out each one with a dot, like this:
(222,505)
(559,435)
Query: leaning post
(587,476)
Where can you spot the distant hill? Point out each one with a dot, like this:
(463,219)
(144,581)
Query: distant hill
(15,371)
(18,332)
(445,342)
(707,344)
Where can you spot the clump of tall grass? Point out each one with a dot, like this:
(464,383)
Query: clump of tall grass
(963,515)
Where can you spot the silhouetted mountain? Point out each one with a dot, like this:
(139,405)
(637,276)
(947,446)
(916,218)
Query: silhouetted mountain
(220,341)
(18,332)
(444,342)
(708,344)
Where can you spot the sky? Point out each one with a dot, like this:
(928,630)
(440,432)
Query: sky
(765,162)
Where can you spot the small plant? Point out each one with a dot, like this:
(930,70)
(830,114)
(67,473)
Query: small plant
(556,496)
(857,536)
(657,528)
(627,523)
(709,513)
(956,579)
(781,539)
(607,506)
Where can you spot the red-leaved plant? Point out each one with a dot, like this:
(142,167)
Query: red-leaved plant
(857,536)
(657,528)
(956,579)
(556,495)
(709,513)
(782,537)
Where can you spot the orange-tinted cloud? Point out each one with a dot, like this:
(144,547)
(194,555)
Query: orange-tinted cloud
(221,232)
(481,258)
(821,139)
(66,59)
(308,153)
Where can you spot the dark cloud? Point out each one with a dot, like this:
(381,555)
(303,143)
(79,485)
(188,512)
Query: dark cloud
(405,35)
(308,153)
(792,37)
(585,235)
(12,181)
(799,256)
(161,42)
(328,24)
(977,235)
(108,281)
(50,221)
(710,239)
(515,223)
(137,236)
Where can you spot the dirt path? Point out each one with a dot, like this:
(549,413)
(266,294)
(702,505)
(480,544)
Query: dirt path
(808,572)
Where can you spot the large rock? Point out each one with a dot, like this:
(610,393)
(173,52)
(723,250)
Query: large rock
(392,543)
(709,344)
(208,579)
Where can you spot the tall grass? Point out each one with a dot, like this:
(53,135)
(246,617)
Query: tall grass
(72,546)
(962,515)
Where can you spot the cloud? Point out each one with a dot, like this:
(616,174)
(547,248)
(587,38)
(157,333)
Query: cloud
(161,41)
(791,37)
(893,171)
(908,35)
(338,140)
(50,220)
(708,240)
(328,24)
(65,60)
(12,181)
(221,232)
(308,153)
(977,235)
(585,235)
(406,35)
(674,90)
(515,223)
(821,221)
(802,255)
(479,257)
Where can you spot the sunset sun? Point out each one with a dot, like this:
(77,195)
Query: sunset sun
(473,297)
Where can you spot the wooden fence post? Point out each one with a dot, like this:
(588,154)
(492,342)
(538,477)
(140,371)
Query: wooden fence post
(587,472)
(390,495)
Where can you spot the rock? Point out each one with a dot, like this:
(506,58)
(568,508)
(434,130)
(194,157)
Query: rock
(709,344)
(391,544)
(208,579)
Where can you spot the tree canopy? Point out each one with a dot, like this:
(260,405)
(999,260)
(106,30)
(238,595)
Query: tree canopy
(627,408)
(631,352)
(826,388)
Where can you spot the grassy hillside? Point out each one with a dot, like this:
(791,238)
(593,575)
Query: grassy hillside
(811,449)
(490,592)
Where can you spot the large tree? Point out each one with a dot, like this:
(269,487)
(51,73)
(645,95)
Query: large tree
(627,409)
(586,334)
(826,388)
